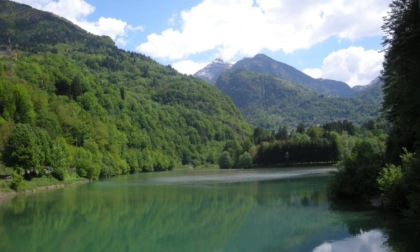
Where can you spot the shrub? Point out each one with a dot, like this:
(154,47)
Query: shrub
(356,177)
(17,182)
(225,161)
(390,184)
(245,160)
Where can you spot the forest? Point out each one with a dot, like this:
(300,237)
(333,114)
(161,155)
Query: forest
(73,104)
(392,172)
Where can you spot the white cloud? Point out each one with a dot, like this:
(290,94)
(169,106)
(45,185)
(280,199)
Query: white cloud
(245,27)
(72,10)
(105,26)
(78,10)
(373,240)
(313,72)
(188,66)
(354,65)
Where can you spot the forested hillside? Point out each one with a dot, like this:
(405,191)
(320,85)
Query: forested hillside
(72,102)
(268,102)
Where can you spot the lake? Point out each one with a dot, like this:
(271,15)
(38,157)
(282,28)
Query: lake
(208,210)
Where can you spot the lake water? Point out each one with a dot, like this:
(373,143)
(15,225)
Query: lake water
(215,210)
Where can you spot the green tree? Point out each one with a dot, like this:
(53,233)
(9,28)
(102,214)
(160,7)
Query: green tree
(245,160)
(401,75)
(402,102)
(23,150)
(60,158)
(76,87)
(357,175)
(282,134)
(300,128)
(261,135)
(17,181)
(24,110)
(315,133)
(225,160)
(85,164)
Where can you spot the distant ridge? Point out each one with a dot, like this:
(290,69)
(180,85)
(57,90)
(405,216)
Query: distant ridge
(268,101)
(263,64)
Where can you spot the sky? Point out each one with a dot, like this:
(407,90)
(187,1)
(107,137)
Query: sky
(330,39)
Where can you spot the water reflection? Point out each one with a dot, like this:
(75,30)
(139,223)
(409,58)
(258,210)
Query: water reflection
(206,211)
(372,241)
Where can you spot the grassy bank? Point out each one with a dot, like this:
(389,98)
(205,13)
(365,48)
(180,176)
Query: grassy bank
(37,184)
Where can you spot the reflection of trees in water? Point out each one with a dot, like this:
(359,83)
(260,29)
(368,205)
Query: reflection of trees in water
(283,215)
(150,219)
(360,219)
(292,192)
(288,213)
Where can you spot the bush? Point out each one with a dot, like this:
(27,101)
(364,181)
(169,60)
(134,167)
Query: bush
(390,184)
(17,182)
(245,160)
(225,161)
(356,177)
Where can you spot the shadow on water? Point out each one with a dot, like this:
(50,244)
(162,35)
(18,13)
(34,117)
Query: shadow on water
(189,211)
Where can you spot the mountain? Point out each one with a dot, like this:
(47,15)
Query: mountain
(373,86)
(211,72)
(371,95)
(73,102)
(265,65)
(268,101)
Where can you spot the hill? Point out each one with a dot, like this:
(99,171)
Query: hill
(91,108)
(268,102)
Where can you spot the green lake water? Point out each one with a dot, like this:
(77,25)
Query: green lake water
(215,210)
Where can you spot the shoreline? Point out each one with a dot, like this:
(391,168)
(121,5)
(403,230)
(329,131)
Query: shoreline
(12,194)
(6,195)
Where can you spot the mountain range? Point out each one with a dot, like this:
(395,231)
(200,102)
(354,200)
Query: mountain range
(261,63)
(270,93)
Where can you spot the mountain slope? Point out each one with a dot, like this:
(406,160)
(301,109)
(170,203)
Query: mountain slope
(265,65)
(111,111)
(212,71)
(28,28)
(372,90)
(269,102)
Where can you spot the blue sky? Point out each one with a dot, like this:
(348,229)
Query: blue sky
(335,39)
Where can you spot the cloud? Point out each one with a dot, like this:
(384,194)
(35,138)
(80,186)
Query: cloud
(373,240)
(78,10)
(105,26)
(245,27)
(188,66)
(313,72)
(354,65)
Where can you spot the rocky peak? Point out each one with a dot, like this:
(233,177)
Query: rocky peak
(211,72)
